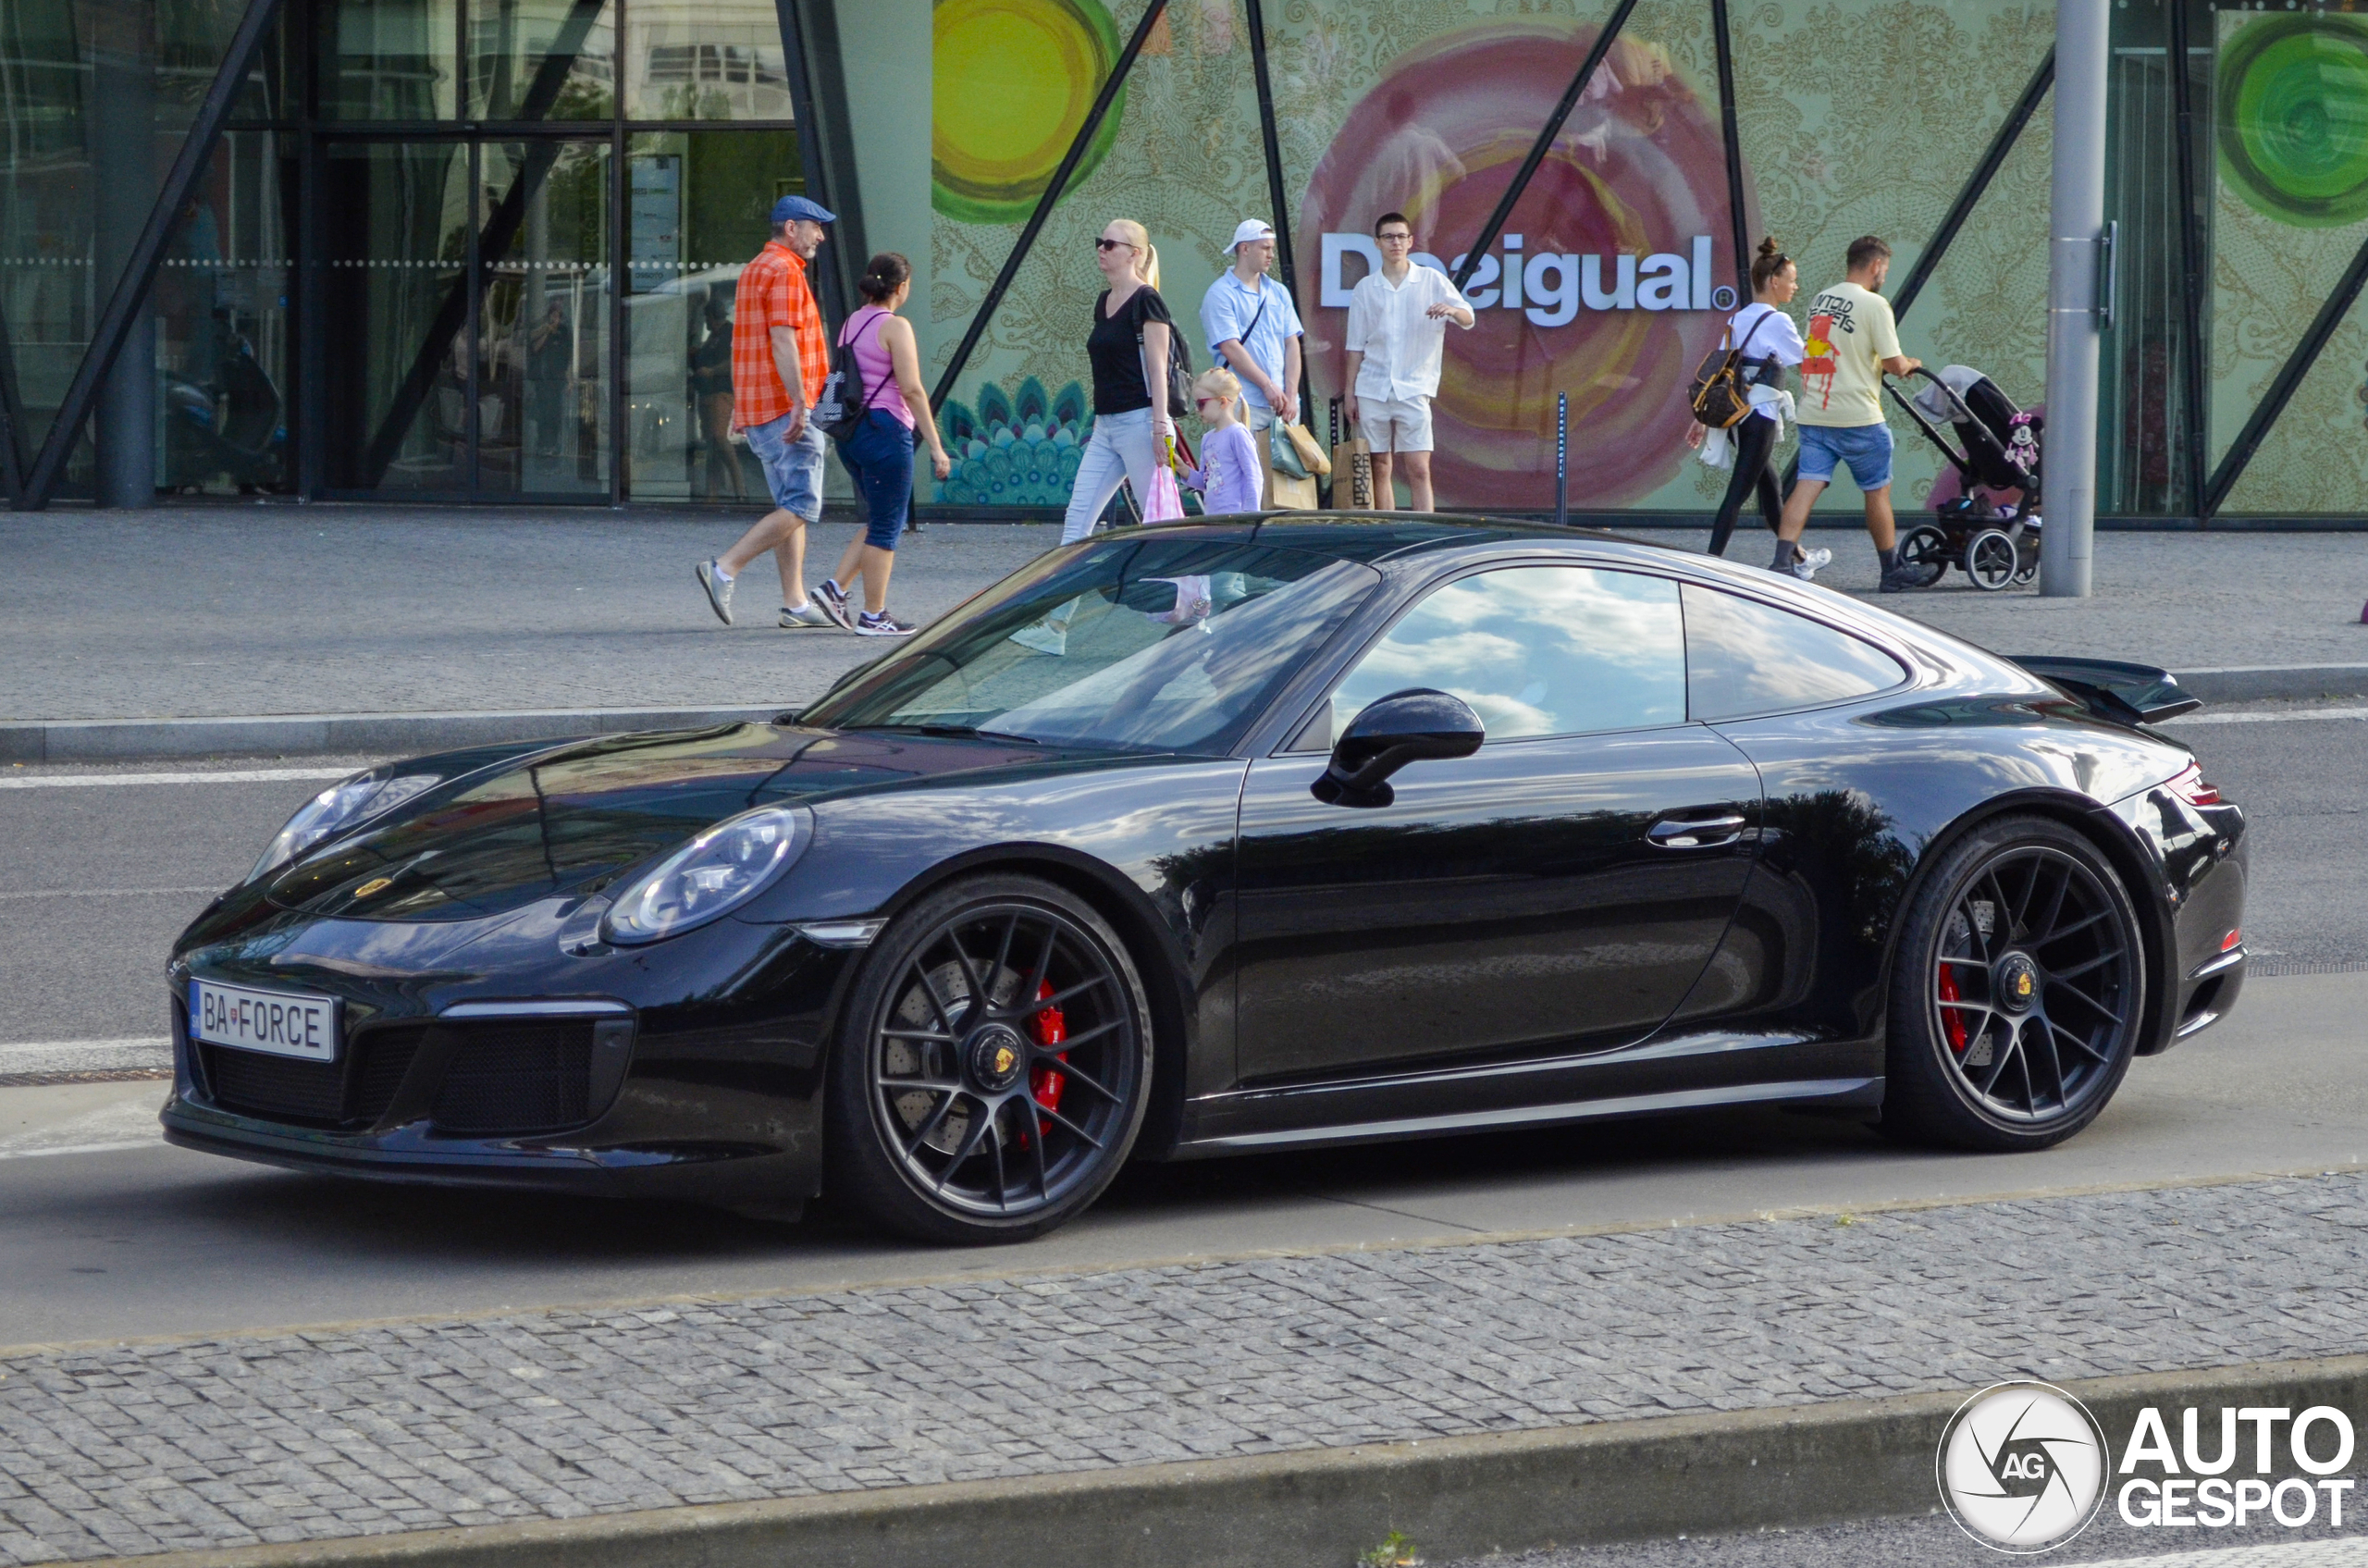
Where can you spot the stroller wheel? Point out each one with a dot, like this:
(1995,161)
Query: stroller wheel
(2026,565)
(1990,559)
(1924,552)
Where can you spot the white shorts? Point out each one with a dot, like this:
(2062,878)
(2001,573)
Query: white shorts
(1390,425)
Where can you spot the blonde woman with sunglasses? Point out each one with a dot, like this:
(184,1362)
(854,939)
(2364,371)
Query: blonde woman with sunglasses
(1128,348)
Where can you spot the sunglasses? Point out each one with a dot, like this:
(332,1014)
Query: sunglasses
(1114,245)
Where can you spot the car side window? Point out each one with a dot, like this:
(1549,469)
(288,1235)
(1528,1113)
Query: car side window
(1743,657)
(1535,650)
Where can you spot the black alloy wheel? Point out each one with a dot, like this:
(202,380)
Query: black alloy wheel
(994,1065)
(2017,992)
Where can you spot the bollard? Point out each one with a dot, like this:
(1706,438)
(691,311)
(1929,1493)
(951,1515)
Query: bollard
(1561,458)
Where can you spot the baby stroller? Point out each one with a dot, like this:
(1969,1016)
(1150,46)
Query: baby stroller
(1997,448)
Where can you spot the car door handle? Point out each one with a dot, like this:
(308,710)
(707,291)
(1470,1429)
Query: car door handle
(1707,832)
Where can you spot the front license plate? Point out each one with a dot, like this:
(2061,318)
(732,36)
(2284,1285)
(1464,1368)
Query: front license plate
(273,1021)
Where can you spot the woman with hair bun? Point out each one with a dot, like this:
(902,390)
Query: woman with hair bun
(1128,346)
(880,454)
(1770,342)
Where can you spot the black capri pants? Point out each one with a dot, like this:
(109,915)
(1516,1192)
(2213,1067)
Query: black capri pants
(1755,440)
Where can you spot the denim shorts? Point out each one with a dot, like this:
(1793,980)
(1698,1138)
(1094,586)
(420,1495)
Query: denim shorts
(793,469)
(1864,449)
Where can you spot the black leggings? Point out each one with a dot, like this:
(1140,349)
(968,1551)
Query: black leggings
(1754,440)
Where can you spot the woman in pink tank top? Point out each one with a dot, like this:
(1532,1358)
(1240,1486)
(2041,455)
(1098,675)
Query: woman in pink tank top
(879,455)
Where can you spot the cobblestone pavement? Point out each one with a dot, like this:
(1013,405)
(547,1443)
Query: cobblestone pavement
(309,1434)
(193,612)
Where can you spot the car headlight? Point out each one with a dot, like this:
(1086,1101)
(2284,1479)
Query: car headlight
(337,808)
(725,867)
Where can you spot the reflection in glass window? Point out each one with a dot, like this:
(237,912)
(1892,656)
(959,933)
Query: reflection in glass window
(1138,645)
(543,317)
(221,307)
(1536,650)
(542,59)
(1743,657)
(698,211)
(704,59)
(388,59)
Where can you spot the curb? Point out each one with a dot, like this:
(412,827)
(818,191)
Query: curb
(1455,1497)
(293,734)
(297,735)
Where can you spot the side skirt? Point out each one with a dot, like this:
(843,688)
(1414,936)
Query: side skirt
(1836,1093)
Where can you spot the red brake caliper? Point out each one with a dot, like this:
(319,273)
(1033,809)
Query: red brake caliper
(1051,1028)
(1951,1019)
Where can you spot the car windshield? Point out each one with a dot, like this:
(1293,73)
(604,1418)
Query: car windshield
(1134,643)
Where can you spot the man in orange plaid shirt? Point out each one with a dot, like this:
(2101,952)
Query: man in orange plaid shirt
(779,363)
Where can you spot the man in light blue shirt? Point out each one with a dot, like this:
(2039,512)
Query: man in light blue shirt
(1252,327)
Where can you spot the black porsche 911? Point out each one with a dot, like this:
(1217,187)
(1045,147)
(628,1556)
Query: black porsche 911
(1214,837)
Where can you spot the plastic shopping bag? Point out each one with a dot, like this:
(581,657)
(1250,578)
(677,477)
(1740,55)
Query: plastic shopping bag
(1166,503)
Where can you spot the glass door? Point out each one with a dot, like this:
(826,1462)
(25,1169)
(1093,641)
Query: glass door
(465,287)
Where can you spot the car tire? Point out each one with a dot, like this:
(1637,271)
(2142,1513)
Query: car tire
(2017,992)
(954,1112)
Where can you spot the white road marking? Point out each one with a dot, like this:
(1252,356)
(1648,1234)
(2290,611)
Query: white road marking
(242,775)
(104,891)
(157,1143)
(31,1047)
(2287,717)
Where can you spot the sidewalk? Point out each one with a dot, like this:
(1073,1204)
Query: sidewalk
(371,1429)
(344,611)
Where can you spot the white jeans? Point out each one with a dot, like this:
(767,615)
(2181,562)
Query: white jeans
(1120,448)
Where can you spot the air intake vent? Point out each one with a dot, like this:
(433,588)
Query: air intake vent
(343,1094)
(518,1076)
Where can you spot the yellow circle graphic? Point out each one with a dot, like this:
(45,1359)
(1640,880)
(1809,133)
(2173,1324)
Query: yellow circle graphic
(1013,80)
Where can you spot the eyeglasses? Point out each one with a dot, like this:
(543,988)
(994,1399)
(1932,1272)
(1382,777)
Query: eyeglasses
(1113,244)
(1396,237)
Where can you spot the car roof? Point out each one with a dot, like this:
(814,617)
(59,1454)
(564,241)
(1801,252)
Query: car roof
(1374,536)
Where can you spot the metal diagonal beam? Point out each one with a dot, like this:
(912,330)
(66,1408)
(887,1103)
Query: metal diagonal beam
(1733,138)
(1084,138)
(2192,360)
(500,230)
(12,420)
(819,143)
(140,268)
(2009,132)
(1276,188)
(1537,151)
(2290,379)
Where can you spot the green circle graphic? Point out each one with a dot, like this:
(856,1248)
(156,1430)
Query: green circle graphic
(2293,94)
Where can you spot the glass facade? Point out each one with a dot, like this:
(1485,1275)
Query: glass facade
(486,249)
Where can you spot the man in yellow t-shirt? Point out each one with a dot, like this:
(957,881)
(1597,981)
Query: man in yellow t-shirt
(1850,344)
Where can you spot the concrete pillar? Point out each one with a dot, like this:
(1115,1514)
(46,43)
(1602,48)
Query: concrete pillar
(2076,221)
(122,129)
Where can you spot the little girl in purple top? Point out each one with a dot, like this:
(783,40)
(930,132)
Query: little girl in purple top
(1229,475)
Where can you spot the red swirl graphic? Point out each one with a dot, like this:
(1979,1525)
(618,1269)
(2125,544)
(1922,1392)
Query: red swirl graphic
(1638,168)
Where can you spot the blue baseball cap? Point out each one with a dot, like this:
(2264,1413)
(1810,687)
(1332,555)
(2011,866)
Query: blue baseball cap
(798,206)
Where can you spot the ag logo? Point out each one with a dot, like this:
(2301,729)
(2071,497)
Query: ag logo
(2022,1467)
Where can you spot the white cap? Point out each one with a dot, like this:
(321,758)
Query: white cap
(1249,228)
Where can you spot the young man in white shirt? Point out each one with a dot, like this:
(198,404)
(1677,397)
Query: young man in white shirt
(1398,317)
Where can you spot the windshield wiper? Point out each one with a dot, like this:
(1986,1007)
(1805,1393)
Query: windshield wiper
(957,731)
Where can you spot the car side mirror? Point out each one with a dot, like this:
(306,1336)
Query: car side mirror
(1418,725)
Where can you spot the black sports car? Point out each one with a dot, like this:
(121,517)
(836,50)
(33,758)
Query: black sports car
(1236,836)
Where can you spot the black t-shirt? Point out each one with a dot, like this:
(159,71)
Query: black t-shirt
(1117,356)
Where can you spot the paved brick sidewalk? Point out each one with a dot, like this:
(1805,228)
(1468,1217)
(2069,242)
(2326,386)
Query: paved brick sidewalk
(237,610)
(309,1435)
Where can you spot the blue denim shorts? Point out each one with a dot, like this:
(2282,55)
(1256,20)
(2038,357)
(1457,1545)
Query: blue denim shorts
(793,469)
(1865,448)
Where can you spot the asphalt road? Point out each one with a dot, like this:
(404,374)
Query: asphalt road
(1936,1542)
(109,1233)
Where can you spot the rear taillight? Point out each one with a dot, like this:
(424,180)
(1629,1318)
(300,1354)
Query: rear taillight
(2189,787)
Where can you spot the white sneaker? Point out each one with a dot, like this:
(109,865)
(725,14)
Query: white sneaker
(805,615)
(1810,563)
(718,590)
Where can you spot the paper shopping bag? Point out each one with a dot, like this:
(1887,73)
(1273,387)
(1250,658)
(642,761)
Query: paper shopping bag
(1282,491)
(1352,475)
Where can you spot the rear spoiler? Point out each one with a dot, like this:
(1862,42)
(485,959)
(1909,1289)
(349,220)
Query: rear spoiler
(2127,694)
